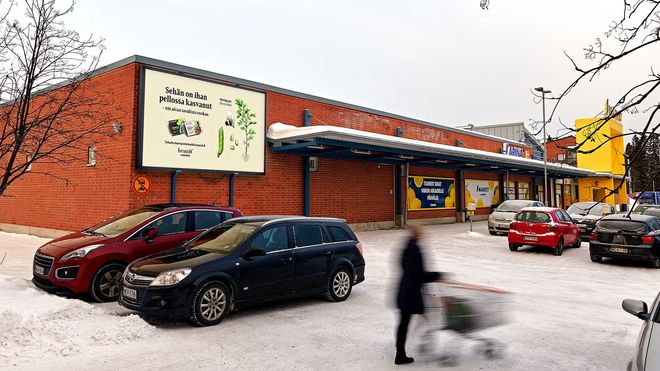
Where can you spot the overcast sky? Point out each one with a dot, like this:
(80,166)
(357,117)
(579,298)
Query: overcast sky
(448,62)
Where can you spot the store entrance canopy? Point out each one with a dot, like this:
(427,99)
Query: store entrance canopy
(351,144)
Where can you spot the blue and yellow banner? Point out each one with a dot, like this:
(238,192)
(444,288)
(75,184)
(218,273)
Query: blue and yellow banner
(430,193)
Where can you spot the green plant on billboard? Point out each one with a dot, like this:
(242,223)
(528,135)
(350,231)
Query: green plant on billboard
(245,122)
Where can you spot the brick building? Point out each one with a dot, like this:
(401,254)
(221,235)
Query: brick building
(324,157)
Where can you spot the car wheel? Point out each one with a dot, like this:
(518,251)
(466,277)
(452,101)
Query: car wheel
(513,247)
(595,257)
(578,243)
(559,249)
(656,262)
(492,233)
(210,304)
(105,283)
(339,285)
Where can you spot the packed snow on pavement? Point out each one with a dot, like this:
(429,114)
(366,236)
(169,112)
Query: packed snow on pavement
(565,313)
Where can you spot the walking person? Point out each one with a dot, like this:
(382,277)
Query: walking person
(409,297)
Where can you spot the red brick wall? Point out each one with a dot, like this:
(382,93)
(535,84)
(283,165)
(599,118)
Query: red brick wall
(559,146)
(92,192)
(358,192)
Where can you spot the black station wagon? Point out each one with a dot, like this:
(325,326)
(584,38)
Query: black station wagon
(242,261)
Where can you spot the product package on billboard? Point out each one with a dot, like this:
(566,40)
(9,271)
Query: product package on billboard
(180,126)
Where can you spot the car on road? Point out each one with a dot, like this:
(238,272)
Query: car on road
(646,356)
(93,260)
(587,214)
(631,237)
(501,217)
(543,226)
(246,261)
(648,210)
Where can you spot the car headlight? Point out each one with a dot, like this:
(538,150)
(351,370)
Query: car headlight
(80,253)
(170,278)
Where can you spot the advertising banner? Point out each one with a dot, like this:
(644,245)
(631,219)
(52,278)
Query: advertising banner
(484,193)
(429,193)
(194,124)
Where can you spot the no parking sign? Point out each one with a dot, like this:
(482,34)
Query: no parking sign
(141,184)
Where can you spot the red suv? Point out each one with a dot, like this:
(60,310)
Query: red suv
(543,226)
(93,260)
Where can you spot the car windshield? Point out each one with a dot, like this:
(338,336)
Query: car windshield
(584,208)
(513,206)
(533,217)
(123,222)
(225,238)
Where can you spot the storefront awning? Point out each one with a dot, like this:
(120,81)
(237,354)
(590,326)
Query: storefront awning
(344,143)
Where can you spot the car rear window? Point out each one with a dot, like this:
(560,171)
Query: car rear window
(533,217)
(624,225)
(338,234)
(307,235)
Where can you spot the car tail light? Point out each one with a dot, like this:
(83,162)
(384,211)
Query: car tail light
(594,235)
(513,225)
(359,247)
(648,239)
(552,228)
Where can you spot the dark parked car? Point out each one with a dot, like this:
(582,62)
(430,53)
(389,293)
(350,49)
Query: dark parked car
(500,219)
(93,260)
(243,261)
(635,237)
(648,210)
(647,351)
(587,214)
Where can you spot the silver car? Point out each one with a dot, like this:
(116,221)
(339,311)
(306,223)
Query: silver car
(500,219)
(647,350)
(587,214)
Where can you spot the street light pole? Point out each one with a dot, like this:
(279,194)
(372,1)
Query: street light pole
(545,151)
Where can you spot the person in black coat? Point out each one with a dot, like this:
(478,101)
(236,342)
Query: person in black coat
(409,297)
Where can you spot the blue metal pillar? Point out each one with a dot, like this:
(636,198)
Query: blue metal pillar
(459,188)
(175,173)
(307,118)
(231,189)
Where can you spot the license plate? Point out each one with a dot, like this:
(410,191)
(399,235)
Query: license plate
(619,250)
(39,270)
(129,293)
(502,226)
(530,238)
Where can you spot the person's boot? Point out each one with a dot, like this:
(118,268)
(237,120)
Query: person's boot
(402,359)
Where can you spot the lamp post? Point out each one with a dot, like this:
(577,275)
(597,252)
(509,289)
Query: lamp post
(545,152)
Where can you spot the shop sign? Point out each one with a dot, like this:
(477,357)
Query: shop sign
(484,193)
(430,193)
(517,151)
(193,124)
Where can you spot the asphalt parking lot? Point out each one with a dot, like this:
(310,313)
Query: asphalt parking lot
(564,313)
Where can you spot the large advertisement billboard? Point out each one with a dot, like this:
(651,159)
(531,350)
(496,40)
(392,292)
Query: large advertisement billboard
(483,193)
(192,124)
(430,193)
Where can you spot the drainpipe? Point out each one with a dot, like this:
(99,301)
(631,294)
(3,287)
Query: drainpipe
(231,189)
(307,118)
(175,173)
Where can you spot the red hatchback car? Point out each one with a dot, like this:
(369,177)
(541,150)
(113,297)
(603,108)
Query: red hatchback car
(543,226)
(93,260)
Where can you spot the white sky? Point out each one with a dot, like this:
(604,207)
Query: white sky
(443,61)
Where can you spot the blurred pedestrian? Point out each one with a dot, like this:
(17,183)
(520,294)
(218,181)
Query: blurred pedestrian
(409,297)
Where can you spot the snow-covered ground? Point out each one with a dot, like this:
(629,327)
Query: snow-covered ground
(565,314)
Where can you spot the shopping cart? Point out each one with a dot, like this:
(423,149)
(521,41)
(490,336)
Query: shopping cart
(465,309)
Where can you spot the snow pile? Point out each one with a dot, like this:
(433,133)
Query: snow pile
(34,323)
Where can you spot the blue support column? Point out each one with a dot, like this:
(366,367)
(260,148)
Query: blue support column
(534,192)
(307,118)
(458,187)
(231,189)
(175,173)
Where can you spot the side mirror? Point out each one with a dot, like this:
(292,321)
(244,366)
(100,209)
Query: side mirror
(637,308)
(252,252)
(606,210)
(149,234)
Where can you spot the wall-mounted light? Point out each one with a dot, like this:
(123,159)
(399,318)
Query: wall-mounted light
(313,163)
(117,128)
(360,152)
(406,157)
(441,161)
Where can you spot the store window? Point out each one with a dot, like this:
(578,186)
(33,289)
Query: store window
(558,196)
(540,194)
(523,191)
(510,190)
(561,157)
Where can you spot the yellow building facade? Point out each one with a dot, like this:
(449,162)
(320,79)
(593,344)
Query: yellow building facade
(601,139)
